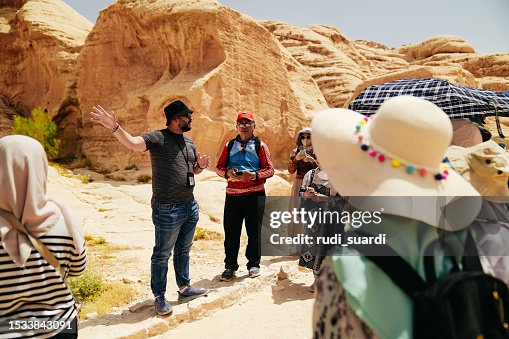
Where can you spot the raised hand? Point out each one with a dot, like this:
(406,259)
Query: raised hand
(102,116)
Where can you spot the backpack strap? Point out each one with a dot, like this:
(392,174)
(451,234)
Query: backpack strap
(470,258)
(394,266)
(257,142)
(258,145)
(471,261)
(312,176)
(43,250)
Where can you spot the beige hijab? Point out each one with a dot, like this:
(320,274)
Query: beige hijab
(23,177)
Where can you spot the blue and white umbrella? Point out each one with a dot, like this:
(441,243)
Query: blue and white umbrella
(455,100)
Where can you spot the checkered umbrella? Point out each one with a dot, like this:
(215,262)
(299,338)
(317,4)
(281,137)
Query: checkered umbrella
(455,100)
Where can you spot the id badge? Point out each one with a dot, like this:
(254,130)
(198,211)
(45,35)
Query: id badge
(190,179)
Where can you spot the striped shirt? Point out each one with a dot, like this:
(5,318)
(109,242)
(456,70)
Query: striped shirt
(172,156)
(36,293)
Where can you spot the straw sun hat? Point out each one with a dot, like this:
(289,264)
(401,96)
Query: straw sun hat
(398,152)
(485,166)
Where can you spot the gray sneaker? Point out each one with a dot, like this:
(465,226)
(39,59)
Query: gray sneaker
(227,275)
(191,293)
(254,272)
(162,306)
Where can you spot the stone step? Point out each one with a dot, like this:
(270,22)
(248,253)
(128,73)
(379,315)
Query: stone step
(140,320)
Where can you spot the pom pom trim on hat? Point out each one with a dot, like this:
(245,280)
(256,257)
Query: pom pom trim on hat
(395,162)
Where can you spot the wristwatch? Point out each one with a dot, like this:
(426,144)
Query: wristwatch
(114,129)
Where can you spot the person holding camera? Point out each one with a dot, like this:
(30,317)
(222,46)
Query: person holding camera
(245,162)
(315,189)
(302,160)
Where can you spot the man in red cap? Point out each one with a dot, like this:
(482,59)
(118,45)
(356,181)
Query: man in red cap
(245,162)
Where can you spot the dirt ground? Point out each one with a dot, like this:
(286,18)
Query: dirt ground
(120,212)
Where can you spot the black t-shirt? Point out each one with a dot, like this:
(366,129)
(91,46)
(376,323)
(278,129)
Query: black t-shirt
(173,156)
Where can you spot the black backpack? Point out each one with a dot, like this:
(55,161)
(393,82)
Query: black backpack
(461,305)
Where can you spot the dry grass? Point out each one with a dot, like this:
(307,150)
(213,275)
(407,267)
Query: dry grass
(113,294)
(96,294)
(214,219)
(92,240)
(201,234)
(61,169)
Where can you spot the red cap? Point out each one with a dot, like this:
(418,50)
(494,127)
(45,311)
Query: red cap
(245,115)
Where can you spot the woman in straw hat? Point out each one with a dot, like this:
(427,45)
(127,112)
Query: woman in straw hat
(486,167)
(302,160)
(31,287)
(397,155)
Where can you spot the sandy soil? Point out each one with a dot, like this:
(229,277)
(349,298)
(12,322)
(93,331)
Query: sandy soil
(278,311)
(120,212)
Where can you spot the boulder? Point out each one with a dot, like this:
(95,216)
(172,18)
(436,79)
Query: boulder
(141,55)
(40,43)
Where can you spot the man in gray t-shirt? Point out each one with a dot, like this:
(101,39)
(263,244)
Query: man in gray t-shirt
(174,210)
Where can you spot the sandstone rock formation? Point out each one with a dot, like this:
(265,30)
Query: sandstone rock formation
(40,41)
(7,113)
(443,44)
(141,55)
(343,68)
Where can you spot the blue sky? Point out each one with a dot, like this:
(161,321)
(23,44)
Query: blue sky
(483,23)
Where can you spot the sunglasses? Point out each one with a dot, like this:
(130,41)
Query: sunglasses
(305,137)
(245,124)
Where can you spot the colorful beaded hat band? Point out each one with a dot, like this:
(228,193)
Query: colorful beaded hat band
(409,168)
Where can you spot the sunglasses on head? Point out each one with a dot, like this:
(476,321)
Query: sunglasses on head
(245,124)
(305,137)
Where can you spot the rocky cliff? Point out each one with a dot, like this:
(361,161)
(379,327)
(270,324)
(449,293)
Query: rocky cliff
(40,41)
(142,54)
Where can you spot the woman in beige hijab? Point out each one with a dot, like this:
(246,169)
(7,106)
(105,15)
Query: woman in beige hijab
(32,291)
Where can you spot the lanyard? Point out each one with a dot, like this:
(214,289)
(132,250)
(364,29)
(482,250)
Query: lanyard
(181,150)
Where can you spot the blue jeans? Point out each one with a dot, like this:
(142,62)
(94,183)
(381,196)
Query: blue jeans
(174,230)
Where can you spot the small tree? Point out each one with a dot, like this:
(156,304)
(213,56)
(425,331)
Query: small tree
(40,127)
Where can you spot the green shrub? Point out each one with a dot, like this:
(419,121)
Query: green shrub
(144,178)
(85,179)
(130,167)
(86,287)
(40,127)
